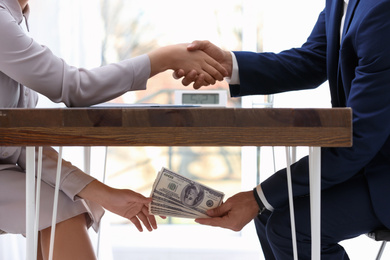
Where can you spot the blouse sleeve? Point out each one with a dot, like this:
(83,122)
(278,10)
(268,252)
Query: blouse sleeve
(35,66)
(72,179)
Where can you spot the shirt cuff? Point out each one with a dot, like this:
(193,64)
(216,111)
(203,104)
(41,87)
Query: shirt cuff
(235,78)
(75,182)
(263,199)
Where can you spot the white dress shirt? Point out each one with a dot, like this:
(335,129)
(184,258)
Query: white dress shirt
(343,18)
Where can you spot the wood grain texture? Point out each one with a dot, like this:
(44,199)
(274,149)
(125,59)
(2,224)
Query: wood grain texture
(176,126)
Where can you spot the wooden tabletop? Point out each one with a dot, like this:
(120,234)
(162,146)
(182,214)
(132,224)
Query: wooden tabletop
(176,126)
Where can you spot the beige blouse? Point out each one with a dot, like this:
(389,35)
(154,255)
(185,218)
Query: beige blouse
(27,67)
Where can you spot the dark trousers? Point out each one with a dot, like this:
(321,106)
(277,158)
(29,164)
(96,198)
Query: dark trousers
(346,212)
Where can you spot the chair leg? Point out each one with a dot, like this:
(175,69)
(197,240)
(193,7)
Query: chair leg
(381,249)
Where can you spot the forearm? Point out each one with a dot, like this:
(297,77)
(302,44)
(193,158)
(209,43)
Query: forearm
(97,192)
(160,59)
(123,202)
(72,179)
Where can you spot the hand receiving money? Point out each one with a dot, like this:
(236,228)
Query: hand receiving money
(177,196)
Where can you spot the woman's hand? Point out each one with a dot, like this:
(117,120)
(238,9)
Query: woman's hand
(224,58)
(123,202)
(196,63)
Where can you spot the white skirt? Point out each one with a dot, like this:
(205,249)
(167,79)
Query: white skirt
(13,204)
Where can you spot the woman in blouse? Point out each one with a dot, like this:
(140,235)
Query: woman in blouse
(27,67)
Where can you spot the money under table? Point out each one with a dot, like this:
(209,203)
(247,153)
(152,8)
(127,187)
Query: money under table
(177,126)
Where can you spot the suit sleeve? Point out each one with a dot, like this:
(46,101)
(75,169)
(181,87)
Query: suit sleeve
(366,79)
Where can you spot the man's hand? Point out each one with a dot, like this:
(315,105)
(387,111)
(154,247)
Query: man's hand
(223,57)
(234,214)
(195,63)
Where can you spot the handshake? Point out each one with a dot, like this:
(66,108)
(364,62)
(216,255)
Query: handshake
(200,62)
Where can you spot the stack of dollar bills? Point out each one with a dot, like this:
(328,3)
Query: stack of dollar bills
(177,196)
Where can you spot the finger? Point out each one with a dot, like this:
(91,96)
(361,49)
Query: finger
(197,85)
(177,74)
(208,78)
(142,199)
(136,223)
(218,71)
(186,82)
(144,216)
(214,222)
(200,82)
(198,45)
(189,78)
(151,218)
(214,70)
(219,211)
(224,222)
(145,220)
(137,197)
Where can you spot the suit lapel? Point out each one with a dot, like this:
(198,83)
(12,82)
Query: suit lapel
(336,13)
(333,41)
(350,12)
(341,92)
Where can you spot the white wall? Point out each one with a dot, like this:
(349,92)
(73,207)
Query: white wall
(71,29)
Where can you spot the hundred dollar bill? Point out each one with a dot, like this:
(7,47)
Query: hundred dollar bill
(173,213)
(162,203)
(176,195)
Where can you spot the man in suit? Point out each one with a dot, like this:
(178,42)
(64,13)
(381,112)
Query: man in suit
(350,47)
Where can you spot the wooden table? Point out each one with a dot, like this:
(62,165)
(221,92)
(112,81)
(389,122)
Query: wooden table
(181,126)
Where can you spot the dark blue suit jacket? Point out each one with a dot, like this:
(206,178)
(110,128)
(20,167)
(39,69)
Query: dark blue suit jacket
(358,72)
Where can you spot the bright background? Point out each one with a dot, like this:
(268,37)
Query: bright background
(90,33)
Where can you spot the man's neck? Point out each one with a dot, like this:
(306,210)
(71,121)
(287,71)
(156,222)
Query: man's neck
(23,3)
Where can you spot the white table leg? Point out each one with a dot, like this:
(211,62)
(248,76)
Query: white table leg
(315,201)
(31,238)
(87,159)
(291,203)
(37,199)
(55,204)
(98,248)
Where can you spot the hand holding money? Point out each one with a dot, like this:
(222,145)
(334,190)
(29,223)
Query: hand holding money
(177,196)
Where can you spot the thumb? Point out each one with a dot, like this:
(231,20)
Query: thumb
(145,200)
(139,198)
(198,45)
(218,211)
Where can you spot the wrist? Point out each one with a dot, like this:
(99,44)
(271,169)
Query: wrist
(261,205)
(160,60)
(228,62)
(97,192)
